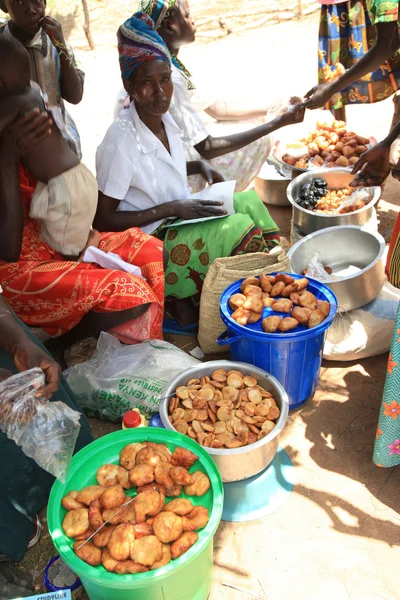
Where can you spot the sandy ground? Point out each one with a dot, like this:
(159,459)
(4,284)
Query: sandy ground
(337,536)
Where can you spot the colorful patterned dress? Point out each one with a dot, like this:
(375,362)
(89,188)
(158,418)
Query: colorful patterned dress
(46,291)
(346,34)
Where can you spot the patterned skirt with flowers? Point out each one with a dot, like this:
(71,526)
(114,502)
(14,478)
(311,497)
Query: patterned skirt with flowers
(387,444)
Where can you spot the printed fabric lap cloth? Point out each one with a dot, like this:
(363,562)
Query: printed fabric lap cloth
(193,247)
(387,443)
(346,34)
(46,291)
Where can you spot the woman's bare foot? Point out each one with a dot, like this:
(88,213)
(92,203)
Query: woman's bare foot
(93,240)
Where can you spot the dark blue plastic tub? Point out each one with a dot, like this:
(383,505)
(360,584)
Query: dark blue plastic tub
(293,358)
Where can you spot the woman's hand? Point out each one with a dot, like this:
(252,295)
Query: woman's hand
(373,167)
(209,174)
(293,115)
(29,356)
(319,95)
(30,129)
(197,209)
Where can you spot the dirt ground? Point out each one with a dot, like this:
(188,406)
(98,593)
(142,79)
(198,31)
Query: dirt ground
(337,536)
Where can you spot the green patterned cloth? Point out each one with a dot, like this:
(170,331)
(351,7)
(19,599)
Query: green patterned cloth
(387,444)
(383,11)
(193,247)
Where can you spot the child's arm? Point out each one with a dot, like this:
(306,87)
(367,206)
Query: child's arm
(12,217)
(72,78)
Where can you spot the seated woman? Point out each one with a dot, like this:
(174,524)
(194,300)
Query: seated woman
(70,299)
(142,173)
(25,486)
(238,145)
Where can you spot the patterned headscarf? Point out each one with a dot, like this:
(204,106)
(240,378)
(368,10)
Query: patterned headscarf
(138,42)
(157,9)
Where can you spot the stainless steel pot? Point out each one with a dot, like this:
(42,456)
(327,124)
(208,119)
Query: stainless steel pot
(238,463)
(271,186)
(307,221)
(338,248)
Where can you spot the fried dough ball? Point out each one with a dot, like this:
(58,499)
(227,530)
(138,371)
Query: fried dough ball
(182,545)
(174,492)
(252,290)
(147,551)
(308,300)
(148,504)
(101,539)
(254,317)
(166,557)
(130,514)
(254,303)
(287,324)
(289,289)
(115,516)
(123,479)
(302,284)
(113,497)
(277,289)
(283,305)
(196,519)
(69,501)
(167,526)
(84,536)
(200,486)
(142,529)
(241,316)
(76,522)
(180,506)
(316,318)
(95,518)
(107,561)
(148,456)
(271,324)
(107,475)
(163,476)
(324,307)
(121,540)
(287,279)
(152,486)
(236,301)
(128,454)
(126,567)
(88,553)
(182,457)
(89,493)
(181,476)
(141,475)
(249,281)
(265,283)
(301,314)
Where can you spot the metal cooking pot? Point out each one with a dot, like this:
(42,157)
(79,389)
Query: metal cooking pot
(307,221)
(271,186)
(238,463)
(338,248)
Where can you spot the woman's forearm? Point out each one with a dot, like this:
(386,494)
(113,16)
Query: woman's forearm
(386,44)
(12,217)
(229,110)
(108,218)
(213,147)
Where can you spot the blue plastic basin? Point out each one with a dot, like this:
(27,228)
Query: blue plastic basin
(294,358)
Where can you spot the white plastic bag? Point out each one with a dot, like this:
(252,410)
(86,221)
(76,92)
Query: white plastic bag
(365,331)
(46,431)
(119,378)
(316,270)
(358,199)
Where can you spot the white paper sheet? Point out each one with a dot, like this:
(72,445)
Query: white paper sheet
(109,260)
(218,192)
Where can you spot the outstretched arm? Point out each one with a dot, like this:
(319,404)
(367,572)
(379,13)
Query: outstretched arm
(212,147)
(386,44)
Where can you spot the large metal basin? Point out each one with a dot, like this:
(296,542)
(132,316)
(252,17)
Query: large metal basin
(238,463)
(307,221)
(338,248)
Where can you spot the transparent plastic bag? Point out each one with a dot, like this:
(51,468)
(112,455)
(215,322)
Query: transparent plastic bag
(358,199)
(316,270)
(45,431)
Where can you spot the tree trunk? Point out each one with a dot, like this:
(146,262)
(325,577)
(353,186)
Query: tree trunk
(86,25)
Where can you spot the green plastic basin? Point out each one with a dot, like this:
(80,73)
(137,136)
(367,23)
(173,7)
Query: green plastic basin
(186,578)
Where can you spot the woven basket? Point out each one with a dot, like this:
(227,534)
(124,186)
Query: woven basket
(221,274)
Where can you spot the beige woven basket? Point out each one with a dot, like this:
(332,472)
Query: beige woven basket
(221,274)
